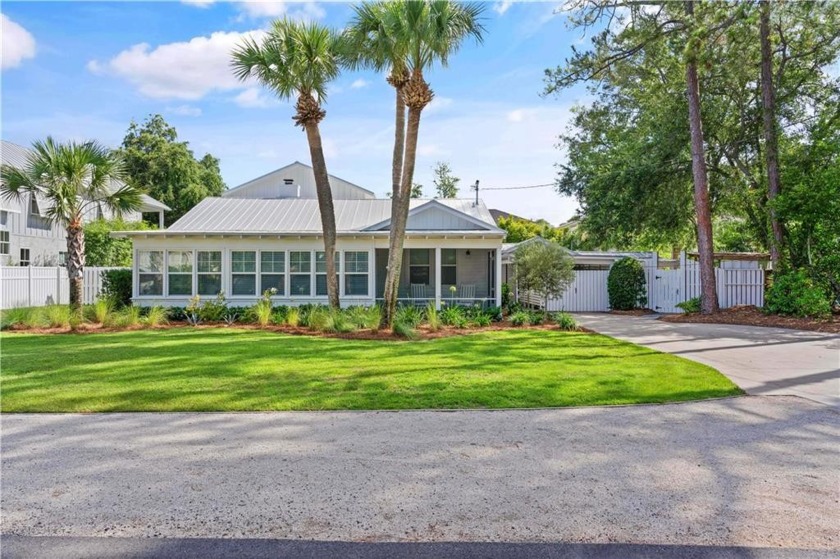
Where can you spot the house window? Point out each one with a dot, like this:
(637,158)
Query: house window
(209,272)
(4,242)
(273,271)
(447,267)
(62,258)
(419,266)
(24,257)
(33,205)
(300,273)
(356,273)
(180,268)
(243,264)
(321,272)
(150,272)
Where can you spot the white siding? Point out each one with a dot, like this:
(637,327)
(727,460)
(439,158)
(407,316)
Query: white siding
(273,185)
(437,219)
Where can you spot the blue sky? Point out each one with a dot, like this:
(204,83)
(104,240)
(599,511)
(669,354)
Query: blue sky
(80,70)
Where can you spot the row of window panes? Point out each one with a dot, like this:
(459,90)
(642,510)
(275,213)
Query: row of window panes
(419,266)
(244,272)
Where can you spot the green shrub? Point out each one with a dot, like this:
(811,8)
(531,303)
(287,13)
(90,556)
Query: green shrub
(452,316)
(794,293)
(278,314)
(494,313)
(691,306)
(432,318)
(176,314)
(319,318)
(293,316)
(21,317)
(364,317)
(338,321)
(536,318)
(116,285)
(127,317)
(57,316)
(520,318)
(155,316)
(565,321)
(409,315)
(626,285)
(507,295)
(213,310)
(482,321)
(404,330)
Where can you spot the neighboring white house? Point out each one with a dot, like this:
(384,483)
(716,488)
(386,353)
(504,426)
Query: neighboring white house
(263,235)
(27,237)
(296,180)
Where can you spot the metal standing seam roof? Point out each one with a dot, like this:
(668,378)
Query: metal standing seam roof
(303,215)
(18,156)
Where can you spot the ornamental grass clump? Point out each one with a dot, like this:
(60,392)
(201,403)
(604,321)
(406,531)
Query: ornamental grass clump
(409,315)
(57,316)
(156,316)
(293,317)
(404,330)
(520,318)
(102,309)
(565,321)
(432,318)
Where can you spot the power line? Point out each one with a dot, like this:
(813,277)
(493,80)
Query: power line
(518,187)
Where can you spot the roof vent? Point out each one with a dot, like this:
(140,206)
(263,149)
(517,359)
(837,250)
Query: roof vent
(289,181)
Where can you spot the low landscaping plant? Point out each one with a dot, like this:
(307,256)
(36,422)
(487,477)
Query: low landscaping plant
(101,310)
(520,318)
(409,315)
(57,316)
(432,318)
(536,318)
(318,318)
(626,285)
(213,310)
(794,293)
(481,320)
(452,316)
(155,316)
(128,317)
(565,321)
(293,317)
(691,306)
(404,330)
(14,318)
(262,310)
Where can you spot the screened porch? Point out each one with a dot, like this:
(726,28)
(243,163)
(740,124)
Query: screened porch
(453,276)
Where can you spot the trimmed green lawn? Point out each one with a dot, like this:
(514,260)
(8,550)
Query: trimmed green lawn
(231,369)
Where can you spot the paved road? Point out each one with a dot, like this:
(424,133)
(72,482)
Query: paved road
(759,360)
(759,472)
(18,547)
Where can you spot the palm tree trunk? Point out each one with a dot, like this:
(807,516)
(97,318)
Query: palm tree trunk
(705,247)
(76,263)
(771,145)
(325,205)
(399,218)
(399,144)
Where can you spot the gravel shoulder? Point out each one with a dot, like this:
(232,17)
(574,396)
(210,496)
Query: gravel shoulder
(751,471)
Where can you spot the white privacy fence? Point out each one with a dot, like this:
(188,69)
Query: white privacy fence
(36,286)
(665,289)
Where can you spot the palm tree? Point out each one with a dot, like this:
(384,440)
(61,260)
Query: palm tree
(407,37)
(296,61)
(74,179)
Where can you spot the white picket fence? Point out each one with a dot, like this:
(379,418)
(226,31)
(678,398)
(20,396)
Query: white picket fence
(37,286)
(665,289)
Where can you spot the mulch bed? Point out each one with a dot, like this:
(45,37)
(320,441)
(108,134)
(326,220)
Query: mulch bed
(752,316)
(423,332)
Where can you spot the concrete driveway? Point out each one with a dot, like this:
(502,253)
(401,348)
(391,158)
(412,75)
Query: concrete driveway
(759,360)
(754,472)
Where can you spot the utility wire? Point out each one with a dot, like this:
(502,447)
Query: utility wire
(517,187)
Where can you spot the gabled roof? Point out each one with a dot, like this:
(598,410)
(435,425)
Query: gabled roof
(302,216)
(18,156)
(279,171)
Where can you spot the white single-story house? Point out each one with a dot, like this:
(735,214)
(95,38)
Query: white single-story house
(27,237)
(272,239)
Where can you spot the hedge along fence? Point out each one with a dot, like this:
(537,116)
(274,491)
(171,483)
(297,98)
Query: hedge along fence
(626,285)
(38,286)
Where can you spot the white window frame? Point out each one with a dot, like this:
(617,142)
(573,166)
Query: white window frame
(27,261)
(5,242)
(310,273)
(428,266)
(33,202)
(350,267)
(284,274)
(337,257)
(454,266)
(191,273)
(199,273)
(255,273)
(140,273)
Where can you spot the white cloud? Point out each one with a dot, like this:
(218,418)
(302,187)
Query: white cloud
(185,70)
(501,7)
(184,110)
(255,98)
(267,9)
(359,84)
(198,3)
(18,43)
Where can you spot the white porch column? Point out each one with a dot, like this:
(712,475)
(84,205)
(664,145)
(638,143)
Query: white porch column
(341,273)
(160,219)
(372,274)
(499,277)
(437,277)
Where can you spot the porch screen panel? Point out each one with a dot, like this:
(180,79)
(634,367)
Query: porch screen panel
(243,265)
(180,271)
(150,272)
(448,275)
(300,273)
(273,271)
(356,273)
(419,269)
(209,272)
